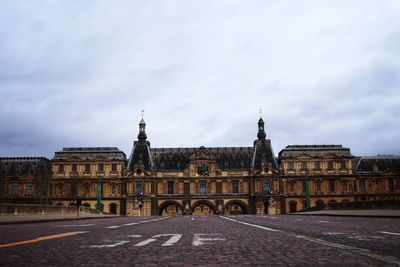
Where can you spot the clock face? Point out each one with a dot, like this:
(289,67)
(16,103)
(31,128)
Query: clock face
(202,169)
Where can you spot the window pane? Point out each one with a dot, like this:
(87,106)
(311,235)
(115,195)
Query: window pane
(186,188)
(235,187)
(138,189)
(267,187)
(114,167)
(87,167)
(170,187)
(219,187)
(202,187)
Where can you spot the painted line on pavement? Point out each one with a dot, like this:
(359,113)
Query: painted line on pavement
(361,251)
(42,238)
(389,233)
(135,223)
(74,225)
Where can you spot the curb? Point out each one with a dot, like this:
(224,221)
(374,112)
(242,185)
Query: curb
(348,215)
(56,220)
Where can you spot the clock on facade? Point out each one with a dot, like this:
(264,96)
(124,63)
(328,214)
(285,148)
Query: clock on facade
(202,169)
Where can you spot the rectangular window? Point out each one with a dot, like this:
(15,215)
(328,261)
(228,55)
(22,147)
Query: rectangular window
(74,167)
(219,188)
(101,168)
(186,188)
(391,185)
(202,188)
(267,187)
(318,185)
(170,187)
(331,186)
(303,165)
(235,187)
(138,187)
(330,165)
(304,186)
(343,164)
(87,167)
(114,167)
(29,190)
(317,165)
(290,165)
(61,168)
(361,185)
(14,189)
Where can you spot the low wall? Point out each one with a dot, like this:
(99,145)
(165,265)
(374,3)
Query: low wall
(358,205)
(41,209)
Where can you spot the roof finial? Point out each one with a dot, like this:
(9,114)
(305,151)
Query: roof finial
(260,113)
(142,113)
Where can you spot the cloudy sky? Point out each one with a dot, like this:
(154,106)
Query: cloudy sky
(78,73)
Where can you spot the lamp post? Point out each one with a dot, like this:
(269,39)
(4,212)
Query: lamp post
(98,204)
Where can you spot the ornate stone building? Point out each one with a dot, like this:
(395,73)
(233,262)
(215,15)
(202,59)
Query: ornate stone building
(216,180)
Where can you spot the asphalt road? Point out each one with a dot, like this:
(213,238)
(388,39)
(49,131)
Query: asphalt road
(204,241)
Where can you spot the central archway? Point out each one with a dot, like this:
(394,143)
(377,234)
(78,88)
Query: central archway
(169,208)
(236,207)
(203,207)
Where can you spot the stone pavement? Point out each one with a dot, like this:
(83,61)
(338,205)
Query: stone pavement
(204,241)
(11,219)
(390,213)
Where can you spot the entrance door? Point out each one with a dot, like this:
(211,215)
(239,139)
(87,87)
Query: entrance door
(113,208)
(292,206)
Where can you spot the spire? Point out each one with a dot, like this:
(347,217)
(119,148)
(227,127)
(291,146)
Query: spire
(261,131)
(142,129)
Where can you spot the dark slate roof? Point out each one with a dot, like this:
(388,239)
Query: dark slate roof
(140,155)
(227,158)
(384,163)
(293,151)
(264,154)
(90,153)
(22,166)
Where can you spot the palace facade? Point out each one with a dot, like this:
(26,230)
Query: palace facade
(215,180)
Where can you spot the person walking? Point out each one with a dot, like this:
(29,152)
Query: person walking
(78,205)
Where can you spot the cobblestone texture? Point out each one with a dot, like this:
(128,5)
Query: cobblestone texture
(243,245)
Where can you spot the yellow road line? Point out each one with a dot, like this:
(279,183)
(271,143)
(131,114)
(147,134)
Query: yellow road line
(43,238)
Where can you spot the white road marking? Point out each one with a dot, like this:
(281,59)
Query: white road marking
(170,242)
(361,251)
(135,223)
(134,236)
(174,238)
(254,225)
(332,233)
(299,219)
(199,240)
(118,243)
(144,243)
(323,221)
(74,225)
(365,238)
(389,233)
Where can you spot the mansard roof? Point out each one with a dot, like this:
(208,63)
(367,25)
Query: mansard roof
(383,163)
(89,153)
(226,157)
(22,166)
(293,151)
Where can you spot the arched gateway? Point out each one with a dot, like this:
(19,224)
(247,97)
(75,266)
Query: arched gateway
(169,208)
